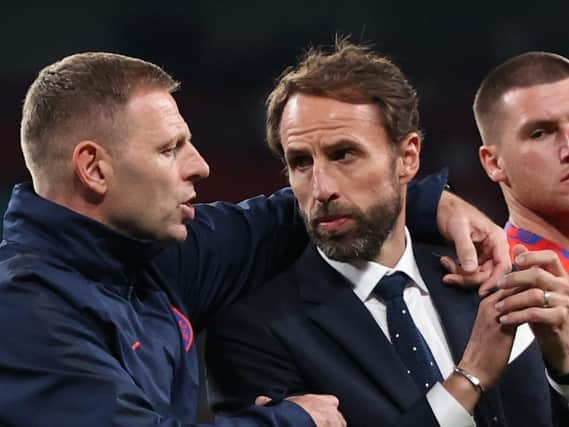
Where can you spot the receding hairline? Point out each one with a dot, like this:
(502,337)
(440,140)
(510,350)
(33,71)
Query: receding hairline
(377,116)
(349,73)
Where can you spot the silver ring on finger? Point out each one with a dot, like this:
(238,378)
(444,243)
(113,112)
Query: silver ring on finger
(546,299)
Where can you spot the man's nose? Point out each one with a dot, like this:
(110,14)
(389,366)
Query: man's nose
(564,150)
(323,186)
(194,167)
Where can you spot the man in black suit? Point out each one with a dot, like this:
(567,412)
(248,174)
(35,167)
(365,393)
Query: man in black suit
(363,314)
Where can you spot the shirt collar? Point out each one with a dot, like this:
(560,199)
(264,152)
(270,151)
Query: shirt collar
(364,275)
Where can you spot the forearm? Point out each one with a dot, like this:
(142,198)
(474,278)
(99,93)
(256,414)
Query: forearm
(231,249)
(462,392)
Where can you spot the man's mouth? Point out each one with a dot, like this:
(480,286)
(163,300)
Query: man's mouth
(188,210)
(331,222)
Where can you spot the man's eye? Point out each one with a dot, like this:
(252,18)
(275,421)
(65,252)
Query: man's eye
(301,162)
(538,134)
(345,154)
(169,151)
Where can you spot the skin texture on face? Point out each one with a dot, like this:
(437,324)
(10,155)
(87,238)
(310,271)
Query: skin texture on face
(152,179)
(346,176)
(529,153)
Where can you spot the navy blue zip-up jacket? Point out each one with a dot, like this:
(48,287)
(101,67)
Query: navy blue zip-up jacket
(94,325)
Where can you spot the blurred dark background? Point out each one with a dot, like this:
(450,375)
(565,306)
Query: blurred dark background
(228,53)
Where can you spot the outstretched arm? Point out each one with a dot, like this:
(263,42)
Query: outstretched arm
(232,249)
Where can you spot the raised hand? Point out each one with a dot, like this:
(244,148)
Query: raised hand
(486,354)
(542,300)
(481,246)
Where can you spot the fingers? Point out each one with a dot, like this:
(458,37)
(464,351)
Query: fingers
(464,246)
(487,276)
(541,299)
(546,259)
(539,272)
(534,277)
(532,306)
(552,317)
(458,276)
(327,399)
(262,400)
(322,408)
(533,297)
(497,242)
(518,250)
(491,283)
(483,242)
(494,297)
(450,264)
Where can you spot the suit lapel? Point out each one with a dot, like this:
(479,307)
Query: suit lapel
(457,307)
(340,314)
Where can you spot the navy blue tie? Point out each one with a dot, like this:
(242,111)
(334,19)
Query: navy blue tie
(405,337)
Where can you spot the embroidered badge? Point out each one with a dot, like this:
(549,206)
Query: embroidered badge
(185,328)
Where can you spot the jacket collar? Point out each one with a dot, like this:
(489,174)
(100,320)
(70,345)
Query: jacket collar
(81,243)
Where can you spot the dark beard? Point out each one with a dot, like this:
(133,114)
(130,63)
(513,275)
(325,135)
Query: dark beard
(362,241)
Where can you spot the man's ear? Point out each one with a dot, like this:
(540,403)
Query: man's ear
(408,160)
(492,163)
(92,166)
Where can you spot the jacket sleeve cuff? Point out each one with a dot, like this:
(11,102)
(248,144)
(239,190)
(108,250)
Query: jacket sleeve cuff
(282,414)
(296,414)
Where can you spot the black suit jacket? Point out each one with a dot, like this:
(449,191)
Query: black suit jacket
(307,332)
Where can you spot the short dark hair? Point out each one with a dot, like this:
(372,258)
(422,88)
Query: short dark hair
(78,98)
(525,70)
(349,73)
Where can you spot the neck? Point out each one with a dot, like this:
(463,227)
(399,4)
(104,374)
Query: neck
(76,199)
(394,246)
(555,230)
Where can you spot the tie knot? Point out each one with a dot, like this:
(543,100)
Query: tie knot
(391,286)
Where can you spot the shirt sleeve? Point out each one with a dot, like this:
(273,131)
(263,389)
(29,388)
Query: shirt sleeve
(448,411)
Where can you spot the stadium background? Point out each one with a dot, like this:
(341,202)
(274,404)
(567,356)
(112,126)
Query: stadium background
(228,53)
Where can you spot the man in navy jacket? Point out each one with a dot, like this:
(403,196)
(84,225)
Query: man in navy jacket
(96,296)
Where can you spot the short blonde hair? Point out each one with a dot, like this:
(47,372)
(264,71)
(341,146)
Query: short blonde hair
(78,98)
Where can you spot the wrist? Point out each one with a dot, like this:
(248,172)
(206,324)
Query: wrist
(463,391)
(472,379)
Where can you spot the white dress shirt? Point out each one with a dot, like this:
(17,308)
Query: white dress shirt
(366,274)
